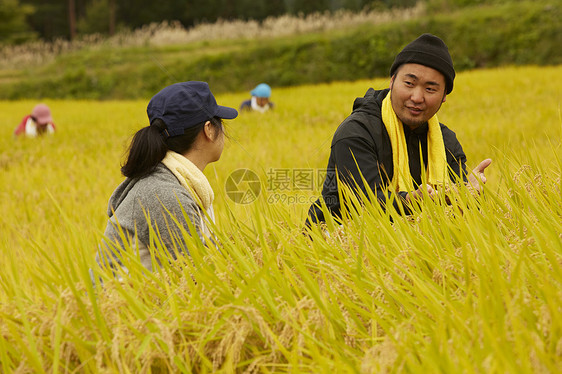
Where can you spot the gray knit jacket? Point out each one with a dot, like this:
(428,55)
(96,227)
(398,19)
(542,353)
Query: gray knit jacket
(159,196)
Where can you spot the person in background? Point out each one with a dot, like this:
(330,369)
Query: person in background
(259,101)
(393,137)
(164,175)
(39,122)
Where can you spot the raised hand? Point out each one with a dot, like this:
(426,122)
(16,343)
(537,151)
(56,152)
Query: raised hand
(477,178)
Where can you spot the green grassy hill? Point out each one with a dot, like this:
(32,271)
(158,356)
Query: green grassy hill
(528,32)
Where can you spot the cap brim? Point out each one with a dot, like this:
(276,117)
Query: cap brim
(44,120)
(227,112)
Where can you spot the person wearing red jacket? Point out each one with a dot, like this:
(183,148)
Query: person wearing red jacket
(39,122)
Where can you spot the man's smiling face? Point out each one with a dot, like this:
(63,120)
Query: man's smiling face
(417,92)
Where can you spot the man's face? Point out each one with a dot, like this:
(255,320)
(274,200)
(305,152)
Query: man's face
(416,92)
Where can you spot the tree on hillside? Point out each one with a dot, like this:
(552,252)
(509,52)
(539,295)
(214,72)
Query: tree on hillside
(96,18)
(50,18)
(257,10)
(112,15)
(53,19)
(13,26)
(72,18)
(137,13)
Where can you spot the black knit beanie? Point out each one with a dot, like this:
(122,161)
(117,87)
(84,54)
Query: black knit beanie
(428,50)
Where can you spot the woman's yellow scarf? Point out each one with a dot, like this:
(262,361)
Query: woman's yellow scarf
(191,178)
(437,161)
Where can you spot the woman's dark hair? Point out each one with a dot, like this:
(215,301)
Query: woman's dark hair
(150,144)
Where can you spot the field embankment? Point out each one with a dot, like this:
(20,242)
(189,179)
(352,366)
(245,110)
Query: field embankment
(519,33)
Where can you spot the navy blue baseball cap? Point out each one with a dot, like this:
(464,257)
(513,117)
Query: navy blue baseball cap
(184,105)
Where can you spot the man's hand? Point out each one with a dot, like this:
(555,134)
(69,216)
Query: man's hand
(475,182)
(477,178)
(419,193)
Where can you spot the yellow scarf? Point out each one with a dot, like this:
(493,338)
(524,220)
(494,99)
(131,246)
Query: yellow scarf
(191,178)
(437,160)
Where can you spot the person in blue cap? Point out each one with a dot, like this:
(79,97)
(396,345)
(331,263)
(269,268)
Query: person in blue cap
(260,100)
(165,185)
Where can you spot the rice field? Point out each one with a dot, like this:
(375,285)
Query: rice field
(475,287)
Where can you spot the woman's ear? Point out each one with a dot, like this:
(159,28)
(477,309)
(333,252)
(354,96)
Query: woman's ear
(209,131)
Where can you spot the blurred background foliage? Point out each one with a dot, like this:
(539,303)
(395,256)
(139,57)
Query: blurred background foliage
(24,20)
(479,33)
(50,19)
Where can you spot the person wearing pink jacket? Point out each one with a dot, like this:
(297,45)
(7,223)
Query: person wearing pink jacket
(39,122)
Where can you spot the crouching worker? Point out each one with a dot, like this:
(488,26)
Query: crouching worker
(39,122)
(165,185)
(260,100)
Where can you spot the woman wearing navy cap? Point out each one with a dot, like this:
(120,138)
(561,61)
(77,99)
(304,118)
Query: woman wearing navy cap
(164,176)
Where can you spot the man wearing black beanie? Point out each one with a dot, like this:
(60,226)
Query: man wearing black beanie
(393,136)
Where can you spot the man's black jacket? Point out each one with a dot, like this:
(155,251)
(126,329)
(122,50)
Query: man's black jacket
(361,146)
